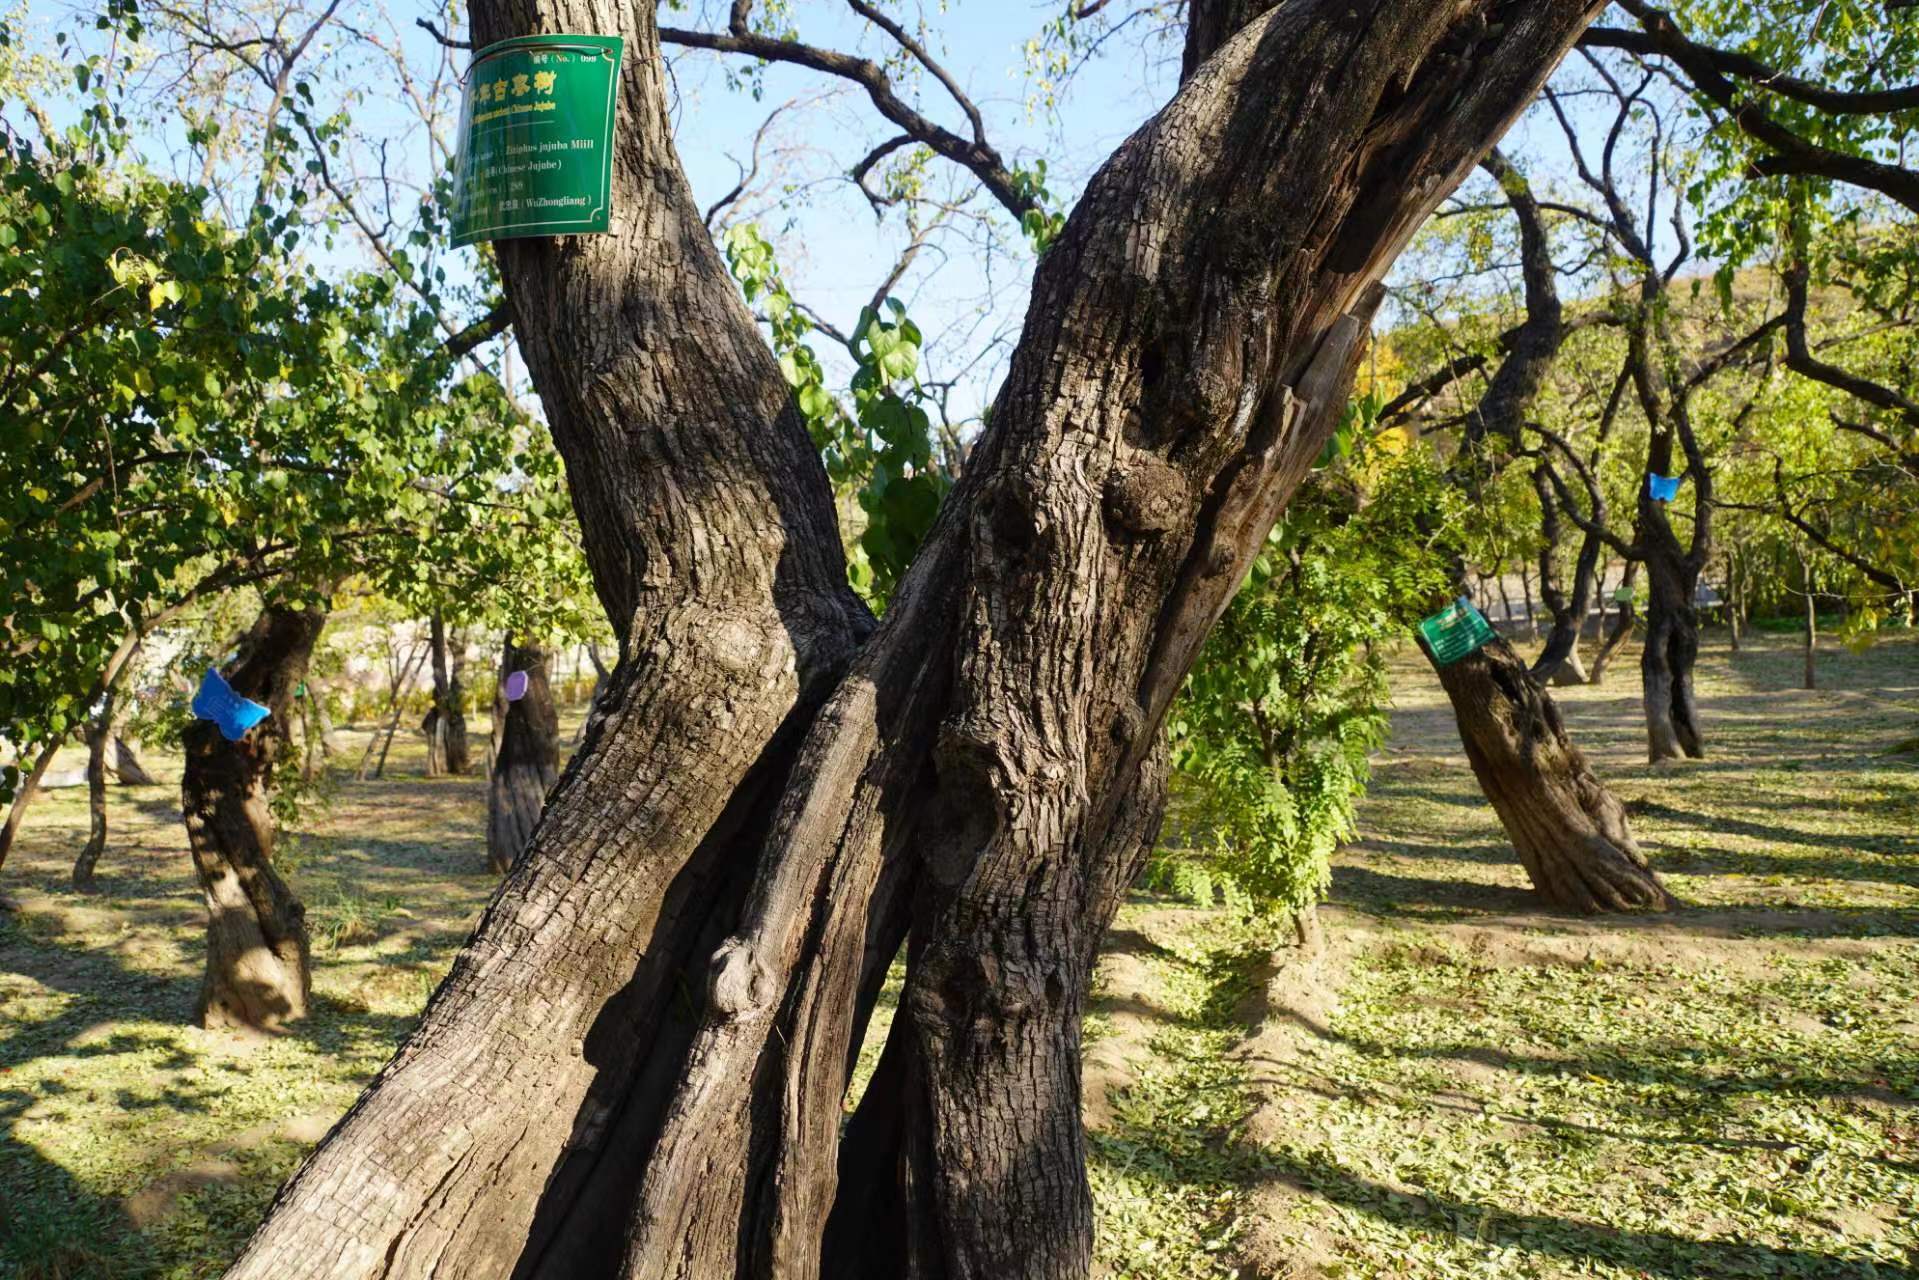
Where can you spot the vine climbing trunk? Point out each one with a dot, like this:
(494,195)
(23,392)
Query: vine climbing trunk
(762,794)
(258,972)
(527,763)
(1568,829)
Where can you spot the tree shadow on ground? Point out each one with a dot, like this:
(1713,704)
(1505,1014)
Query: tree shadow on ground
(1388,895)
(52,1225)
(1480,1225)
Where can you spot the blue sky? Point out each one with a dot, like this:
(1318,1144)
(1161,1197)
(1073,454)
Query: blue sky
(966,290)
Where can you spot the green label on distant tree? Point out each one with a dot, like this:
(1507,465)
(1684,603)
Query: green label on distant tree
(536,139)
(1455,631)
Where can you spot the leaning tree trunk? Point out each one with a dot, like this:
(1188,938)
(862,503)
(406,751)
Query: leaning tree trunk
(987,774)
(1666,663)
(123,762)
(100,737)
(1570,832)
(258,960)
(527,763)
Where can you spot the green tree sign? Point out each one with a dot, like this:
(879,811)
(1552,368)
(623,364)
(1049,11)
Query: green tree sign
(536,133)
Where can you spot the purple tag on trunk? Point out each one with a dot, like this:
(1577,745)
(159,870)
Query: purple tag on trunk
(516,686)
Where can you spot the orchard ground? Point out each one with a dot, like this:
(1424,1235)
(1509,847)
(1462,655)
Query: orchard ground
(1454,1083)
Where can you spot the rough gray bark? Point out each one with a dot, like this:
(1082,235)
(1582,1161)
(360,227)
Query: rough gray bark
(1672,640)
(987,773)
(527,763)
(258,973)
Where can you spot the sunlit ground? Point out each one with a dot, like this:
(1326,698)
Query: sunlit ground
(1460,1085)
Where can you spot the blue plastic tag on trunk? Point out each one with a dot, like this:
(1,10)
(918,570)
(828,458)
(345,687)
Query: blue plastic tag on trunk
(1662,488)
(232,714)
(1456,631)
(516,686)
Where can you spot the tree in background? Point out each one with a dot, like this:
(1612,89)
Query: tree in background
(527,761)
(1272,733)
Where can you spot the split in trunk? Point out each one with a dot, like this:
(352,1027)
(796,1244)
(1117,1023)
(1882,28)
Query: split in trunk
(527,763)
(258,960)
(1570,832)
(988,772)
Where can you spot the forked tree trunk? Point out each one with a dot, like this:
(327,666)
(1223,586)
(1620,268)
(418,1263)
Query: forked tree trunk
(527,763)
(258,973)
(988,773)
(1666,663)
(1570,832)
(100,736)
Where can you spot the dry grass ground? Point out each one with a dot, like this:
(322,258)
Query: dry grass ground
(1459,1085)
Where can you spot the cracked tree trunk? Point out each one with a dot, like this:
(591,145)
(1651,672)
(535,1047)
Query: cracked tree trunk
(1569,830)
(258,974)
(984,773)
(527,763)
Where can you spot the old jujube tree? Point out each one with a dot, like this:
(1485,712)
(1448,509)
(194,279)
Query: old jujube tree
(775,791)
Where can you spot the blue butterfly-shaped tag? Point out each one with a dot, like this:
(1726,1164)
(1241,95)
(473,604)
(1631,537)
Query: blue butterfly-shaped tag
(1662,488)
(233,714)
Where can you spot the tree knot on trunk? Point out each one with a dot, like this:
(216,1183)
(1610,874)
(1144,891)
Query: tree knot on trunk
(739,985)
(1146,496)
